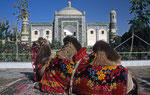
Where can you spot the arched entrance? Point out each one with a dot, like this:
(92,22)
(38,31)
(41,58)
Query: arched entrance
(70,30)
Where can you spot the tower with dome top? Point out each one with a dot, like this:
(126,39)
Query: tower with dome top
(113,24)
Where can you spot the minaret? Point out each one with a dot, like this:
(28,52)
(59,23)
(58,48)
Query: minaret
(25,27)
(113,24)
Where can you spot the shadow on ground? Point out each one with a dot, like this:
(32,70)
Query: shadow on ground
(29,75)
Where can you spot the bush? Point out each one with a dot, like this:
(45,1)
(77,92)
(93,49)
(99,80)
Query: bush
(56,44)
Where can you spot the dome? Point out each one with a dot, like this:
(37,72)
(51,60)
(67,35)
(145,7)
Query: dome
(113,12)
(69,11)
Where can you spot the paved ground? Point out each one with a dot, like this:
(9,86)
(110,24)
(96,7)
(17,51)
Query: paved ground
(143,76)
(9,75)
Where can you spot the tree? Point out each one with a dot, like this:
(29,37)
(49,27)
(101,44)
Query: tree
(116,41)
(2,25)
(139,23)
(56,44)
(4,30)
(22,7)
(140,11)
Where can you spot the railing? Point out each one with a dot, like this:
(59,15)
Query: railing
(8,53)
(135,55)
(26,57)
(8,57)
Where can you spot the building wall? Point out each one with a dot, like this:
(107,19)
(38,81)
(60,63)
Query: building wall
(99,31)
(33,36)
(41,32)
(91,37)
(103,35)
(48,35)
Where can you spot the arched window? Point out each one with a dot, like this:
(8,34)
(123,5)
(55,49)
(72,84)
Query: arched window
(64,33)
(36,32)
(74,33)
(102,32)
(113,17)
(92,32)
(47,32)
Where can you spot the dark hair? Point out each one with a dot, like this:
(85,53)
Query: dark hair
(111,54)
(73,40)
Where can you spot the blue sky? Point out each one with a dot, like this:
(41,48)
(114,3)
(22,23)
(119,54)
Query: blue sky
(96,10)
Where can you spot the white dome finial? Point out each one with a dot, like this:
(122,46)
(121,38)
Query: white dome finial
(69,3)
(113,12)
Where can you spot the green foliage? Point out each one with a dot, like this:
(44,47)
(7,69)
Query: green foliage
(140,25)
(56,44)
(8,52)
(6,33)
(139,8)
(4,30)
(22,9)
(8,46)
(116,41)
(126,36)
(140,21)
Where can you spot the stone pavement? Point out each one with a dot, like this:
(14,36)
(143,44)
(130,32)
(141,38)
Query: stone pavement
(9,75)
(142,73)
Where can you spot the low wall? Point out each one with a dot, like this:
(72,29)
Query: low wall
(29,64)
(16,65)
(136,63)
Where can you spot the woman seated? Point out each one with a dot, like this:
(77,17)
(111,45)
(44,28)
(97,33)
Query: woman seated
(101,73)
